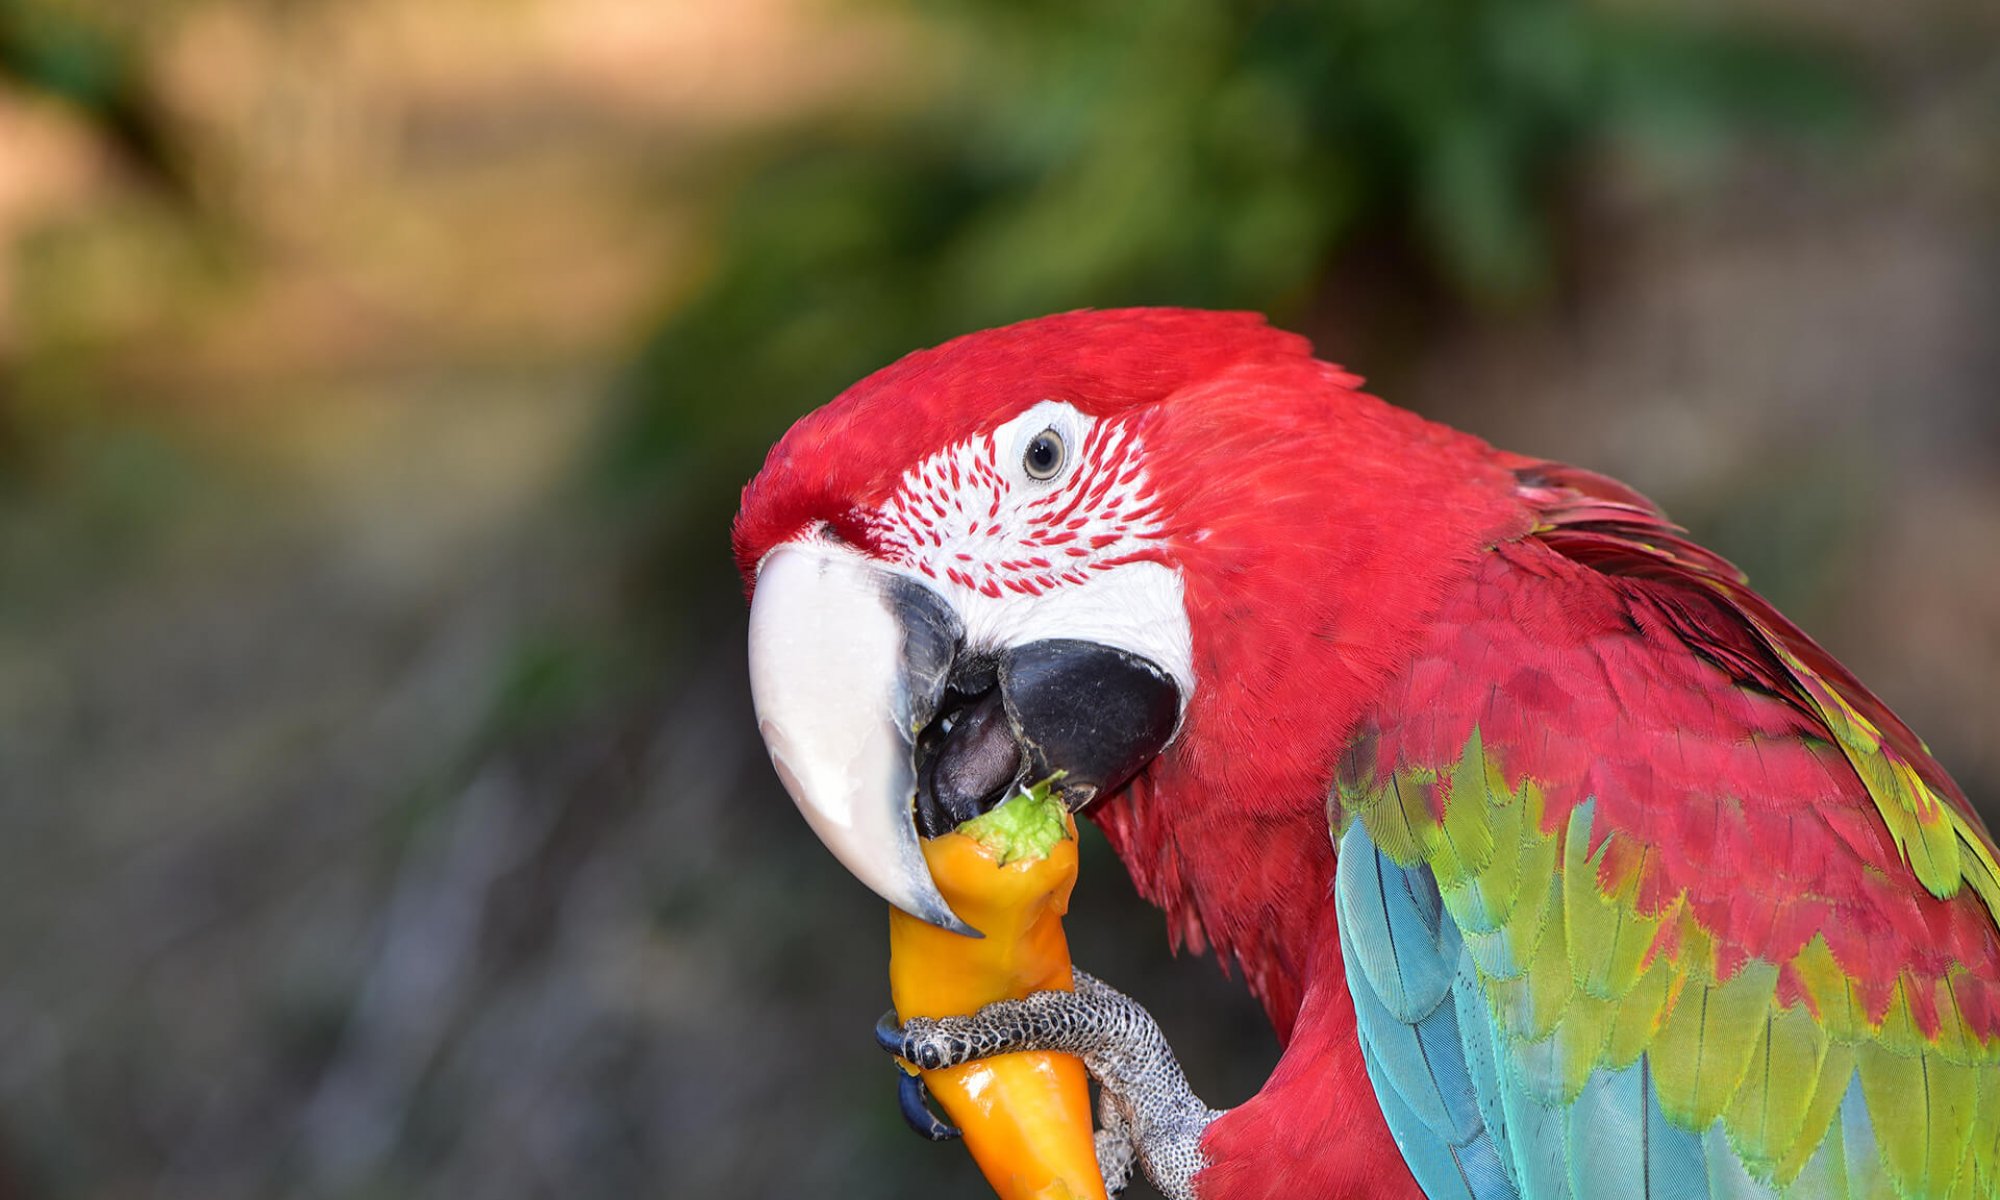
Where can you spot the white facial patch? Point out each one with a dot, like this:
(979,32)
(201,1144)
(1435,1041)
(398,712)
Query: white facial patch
(1078,555)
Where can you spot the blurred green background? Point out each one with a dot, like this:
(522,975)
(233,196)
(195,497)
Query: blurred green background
(380,811)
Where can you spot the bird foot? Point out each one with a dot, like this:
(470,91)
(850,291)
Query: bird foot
(1149,1114)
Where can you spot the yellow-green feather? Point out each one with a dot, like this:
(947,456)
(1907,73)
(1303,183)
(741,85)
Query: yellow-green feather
(1834,994)
(1528,1005)
(1983,1151)
(1465,843)
(1403,825)
(1608,938)
(1703,1047)
(1764,1118)
(1510,949)
(1836,1071)
(1639,1015)
(1943,849)
(1578,981)
(1922,1108)
(1481,902)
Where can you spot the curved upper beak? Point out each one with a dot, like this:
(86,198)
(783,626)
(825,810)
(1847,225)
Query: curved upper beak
(847,664)
(880,720)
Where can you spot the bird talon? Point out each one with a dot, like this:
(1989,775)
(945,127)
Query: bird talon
(914,1100)
(889,1033)
(912,1097)
(922,1042)
(1152,1120)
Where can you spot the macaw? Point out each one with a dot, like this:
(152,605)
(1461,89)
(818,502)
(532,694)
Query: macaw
(1563,864)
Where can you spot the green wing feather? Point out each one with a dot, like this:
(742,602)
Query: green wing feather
(1578,981)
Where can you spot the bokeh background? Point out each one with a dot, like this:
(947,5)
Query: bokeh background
(380,814)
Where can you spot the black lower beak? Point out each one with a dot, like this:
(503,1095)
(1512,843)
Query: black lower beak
(1089,715)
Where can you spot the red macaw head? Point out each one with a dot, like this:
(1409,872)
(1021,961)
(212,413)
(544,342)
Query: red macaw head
(1098,544)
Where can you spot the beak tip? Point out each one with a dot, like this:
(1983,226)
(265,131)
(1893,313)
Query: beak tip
(944,918)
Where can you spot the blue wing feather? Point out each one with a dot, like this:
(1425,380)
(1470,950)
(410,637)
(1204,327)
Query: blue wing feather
(1395,929)
(1466,1116)
(1428,1156)
(1865,1174)
(1727,1178)
(1620,1146)
(1406,1013)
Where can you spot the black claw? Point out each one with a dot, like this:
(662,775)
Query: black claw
(911,1095)
(889,1033)
(891,1037)
(914,1099)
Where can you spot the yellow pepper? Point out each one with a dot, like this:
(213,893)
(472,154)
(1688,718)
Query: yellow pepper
(1025,1116)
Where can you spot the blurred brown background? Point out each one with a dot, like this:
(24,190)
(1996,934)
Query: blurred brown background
(380,814)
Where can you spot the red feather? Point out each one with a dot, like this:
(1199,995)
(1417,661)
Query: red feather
(1355,575)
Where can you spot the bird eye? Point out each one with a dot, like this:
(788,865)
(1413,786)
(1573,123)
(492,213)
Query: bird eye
(1045,455)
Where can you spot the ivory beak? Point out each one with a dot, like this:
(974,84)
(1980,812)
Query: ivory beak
(847,663)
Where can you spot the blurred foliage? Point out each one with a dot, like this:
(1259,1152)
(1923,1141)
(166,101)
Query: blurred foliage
(60,48)
(86,55)
(379,827)
(1054,156)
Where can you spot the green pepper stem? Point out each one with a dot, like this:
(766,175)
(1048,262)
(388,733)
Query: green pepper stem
(1026,826)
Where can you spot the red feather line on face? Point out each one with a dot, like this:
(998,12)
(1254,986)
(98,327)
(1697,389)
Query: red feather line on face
(957,515)
(842,462)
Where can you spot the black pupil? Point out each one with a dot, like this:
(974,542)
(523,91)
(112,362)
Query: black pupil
(1043,454)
